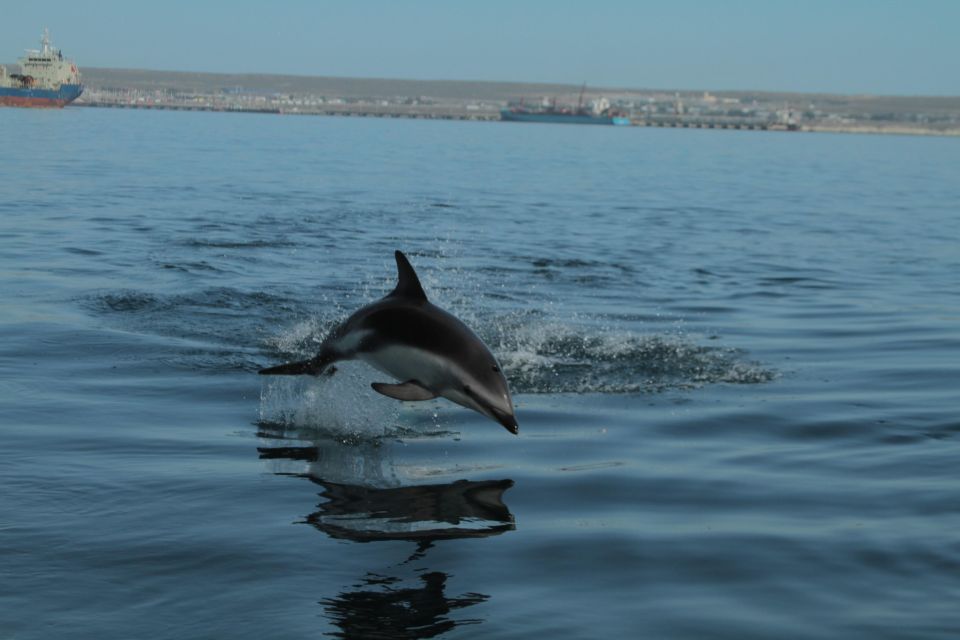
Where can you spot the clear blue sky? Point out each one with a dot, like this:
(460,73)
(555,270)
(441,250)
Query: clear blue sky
(842,46)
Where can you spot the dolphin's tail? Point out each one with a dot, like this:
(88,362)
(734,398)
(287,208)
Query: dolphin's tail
(313,367)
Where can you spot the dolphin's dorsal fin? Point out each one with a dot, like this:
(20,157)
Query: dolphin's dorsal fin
(408,284)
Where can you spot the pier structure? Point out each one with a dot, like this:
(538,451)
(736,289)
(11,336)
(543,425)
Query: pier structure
(690,121)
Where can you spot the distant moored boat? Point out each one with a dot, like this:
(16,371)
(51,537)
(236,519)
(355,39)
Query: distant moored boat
(599,112)
(517,114)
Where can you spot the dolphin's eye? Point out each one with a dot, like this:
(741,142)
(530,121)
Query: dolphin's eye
(496,369)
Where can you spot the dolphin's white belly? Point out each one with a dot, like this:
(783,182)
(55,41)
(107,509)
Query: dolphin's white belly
(407,363)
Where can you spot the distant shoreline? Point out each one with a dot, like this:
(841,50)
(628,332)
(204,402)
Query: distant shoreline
(493,116)
(883,130)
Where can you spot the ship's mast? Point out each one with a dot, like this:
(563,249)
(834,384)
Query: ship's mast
(45,41)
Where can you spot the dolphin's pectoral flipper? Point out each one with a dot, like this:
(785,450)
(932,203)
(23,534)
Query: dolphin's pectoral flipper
(411,390)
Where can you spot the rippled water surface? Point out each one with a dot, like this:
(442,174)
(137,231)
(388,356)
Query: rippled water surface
(735,358)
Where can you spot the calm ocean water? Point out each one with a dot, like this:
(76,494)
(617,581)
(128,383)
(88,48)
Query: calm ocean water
(735,356)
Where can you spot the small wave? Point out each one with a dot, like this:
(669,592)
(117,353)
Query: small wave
(580,271)
(126,301)
(191,267)
(567,359)
(210,360)
(224,319)
(238,244)
(796,281)
(573,263)
(80,251)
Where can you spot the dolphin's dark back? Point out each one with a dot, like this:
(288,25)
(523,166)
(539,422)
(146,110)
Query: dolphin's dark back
(424,326)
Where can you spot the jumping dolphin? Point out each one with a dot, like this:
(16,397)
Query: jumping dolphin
(410,339)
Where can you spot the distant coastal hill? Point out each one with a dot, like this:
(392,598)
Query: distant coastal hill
(98,78)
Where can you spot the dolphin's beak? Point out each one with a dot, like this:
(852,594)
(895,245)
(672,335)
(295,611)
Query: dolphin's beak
(508,421)
(506,418)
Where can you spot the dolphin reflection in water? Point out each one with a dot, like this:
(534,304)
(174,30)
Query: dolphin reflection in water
(365,500)
(431,353)
(377,506)
(388,610)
